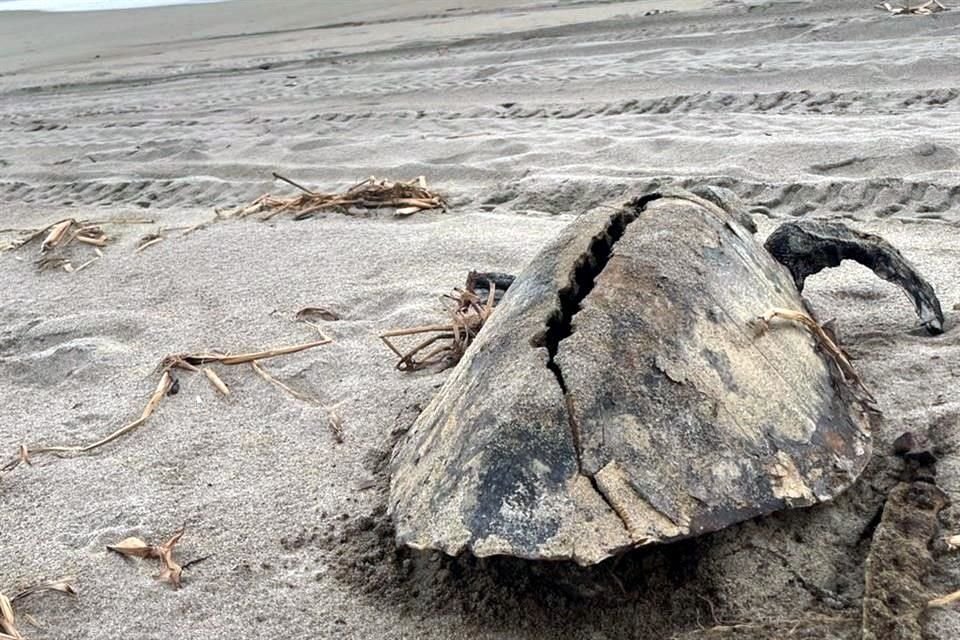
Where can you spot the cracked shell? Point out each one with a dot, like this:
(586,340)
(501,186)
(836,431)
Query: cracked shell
(621,396)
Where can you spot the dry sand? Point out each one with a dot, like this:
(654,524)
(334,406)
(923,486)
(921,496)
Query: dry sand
(524,113)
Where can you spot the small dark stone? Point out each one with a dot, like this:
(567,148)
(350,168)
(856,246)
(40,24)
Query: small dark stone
(910,446)
(904,443)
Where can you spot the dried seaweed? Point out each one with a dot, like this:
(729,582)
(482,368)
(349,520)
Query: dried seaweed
(371,194)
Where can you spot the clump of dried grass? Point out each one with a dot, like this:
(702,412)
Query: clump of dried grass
(404,198)
(57,241)
(467,312)
(55,238)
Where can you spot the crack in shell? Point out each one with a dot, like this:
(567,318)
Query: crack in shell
(583,278)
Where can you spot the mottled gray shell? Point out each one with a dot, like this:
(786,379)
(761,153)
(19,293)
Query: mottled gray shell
(662,415)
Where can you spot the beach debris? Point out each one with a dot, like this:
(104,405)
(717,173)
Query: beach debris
(25,453)
(266,375)
(914,448)
(595,410)
(168,385)
(336,426)
(8,618)
(60,235)
(808,627)
(405,198)
(170,571)
(824,339)
(215,380)
(467,309)
(57,240)
(311,314)
(952,542)
(807,247)
(191,361)
(908,9)
(945,601)
(148,241)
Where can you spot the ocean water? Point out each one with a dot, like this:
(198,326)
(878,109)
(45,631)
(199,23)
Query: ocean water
(89,5)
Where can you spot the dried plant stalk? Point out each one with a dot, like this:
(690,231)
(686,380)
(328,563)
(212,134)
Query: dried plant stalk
(405,197)
(57,237)
(944,601)
(925,9)
(190,360)
(448,341)
(166,381)
(57,234)
(825,341)
(62,585)
(263,373)
(170,570)
(8,619)
(214,379)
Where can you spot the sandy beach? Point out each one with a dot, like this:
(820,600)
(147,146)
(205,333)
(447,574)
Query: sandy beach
(523,114)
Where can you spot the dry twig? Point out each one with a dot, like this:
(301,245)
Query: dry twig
(167,385)
(215,380)
(404,197)
(263,373)
(189,361)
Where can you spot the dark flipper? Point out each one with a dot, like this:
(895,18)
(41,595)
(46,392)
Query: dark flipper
(807,247)
(480,281)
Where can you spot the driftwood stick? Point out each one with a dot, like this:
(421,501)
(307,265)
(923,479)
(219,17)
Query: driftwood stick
(294,184)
